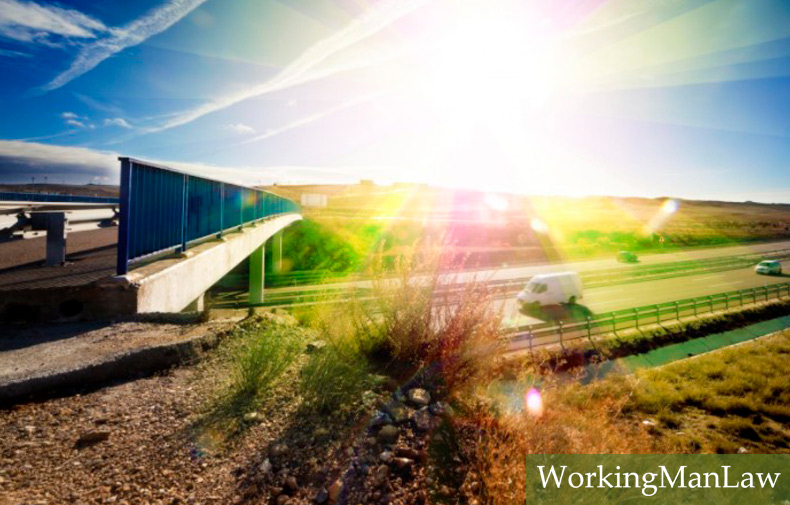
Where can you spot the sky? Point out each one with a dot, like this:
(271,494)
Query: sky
(682,98)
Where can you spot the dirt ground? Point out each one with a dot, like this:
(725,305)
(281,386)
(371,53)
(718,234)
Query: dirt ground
(32,350)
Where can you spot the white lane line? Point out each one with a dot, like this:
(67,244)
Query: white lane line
(706,277)
(731,283)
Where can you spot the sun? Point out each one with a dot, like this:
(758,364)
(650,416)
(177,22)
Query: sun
(489,62)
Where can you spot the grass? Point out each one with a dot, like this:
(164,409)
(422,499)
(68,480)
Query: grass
(720,402)
(248,367)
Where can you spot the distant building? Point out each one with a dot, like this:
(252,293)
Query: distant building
(313,200)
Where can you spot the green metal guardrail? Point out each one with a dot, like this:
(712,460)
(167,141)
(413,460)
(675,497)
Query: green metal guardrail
(612,322)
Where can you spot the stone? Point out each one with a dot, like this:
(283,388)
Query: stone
(336,491)
(291,483)
(648,423)
(399,413)
(422,419)
(380,475)
(402,463)
(743,450)
(283,499)
(441,408)
(321,496)
(30,430)
(279,450)
(388,434)
(313,347)
(321,433)
(419,397)
(252,417)
(386,456)
(408,452)
(265,467)
(379,419)
(91,438)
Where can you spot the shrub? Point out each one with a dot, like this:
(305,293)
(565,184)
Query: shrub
(425,317)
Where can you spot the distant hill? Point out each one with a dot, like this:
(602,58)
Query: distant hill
(64,189)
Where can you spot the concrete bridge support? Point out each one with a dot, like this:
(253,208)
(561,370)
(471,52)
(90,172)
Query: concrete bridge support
(257,274)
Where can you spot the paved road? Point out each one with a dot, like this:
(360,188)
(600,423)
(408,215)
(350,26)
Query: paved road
(637,294)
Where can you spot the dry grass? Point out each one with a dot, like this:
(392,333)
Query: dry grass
(721,402)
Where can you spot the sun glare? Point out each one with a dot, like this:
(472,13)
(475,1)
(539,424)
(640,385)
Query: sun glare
(488,63)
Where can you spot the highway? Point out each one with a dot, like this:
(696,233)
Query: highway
(638,294)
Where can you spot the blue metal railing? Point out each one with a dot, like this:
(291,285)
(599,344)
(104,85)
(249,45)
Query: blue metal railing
(165,210)
(13,196)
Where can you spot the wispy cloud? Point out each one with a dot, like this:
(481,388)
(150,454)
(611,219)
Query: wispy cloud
(69,115)
(240,128)
(32,22)
(8,53)
(75,122)
(368,24)
(155,21)
(117,121)
(315,117)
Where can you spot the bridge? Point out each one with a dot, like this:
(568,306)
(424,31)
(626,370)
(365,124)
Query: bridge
(178,234)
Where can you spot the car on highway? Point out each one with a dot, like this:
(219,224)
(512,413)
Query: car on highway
(627,257)
(768,267)
(552,289)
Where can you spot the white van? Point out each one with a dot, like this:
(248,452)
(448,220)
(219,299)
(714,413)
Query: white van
(552,289)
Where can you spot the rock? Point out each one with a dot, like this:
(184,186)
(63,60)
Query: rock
(265,467)
(648,423)
(419,397)
(402,463)
(252,417)
(313,347)
(408,452)
(380,475)
(388,434)
(386,456)
(91,438)
(279,450)
(336,491)
(399,413)
(291,484)
(441,409)
(379,419)
(321,433)
(283,499)
(422,419)
(30,430)
(321,496)
(743,450)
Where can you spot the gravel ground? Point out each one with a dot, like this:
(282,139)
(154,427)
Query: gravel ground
(140,442)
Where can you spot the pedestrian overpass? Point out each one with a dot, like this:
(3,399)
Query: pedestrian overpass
(180,233)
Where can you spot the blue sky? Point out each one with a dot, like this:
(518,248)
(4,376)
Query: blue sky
(627,97)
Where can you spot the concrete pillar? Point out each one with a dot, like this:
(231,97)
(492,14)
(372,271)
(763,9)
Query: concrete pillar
(277,250)
(257,272)
(199,305)
(55,224)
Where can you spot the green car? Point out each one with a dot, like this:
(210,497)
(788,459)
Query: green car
(627,257)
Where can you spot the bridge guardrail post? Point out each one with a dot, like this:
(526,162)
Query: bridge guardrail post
(562,343)
(531,337)
(221,209)
(122,259)
(184,211)
(658,315)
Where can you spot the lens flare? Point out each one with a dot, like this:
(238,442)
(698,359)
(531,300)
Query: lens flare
(534,402)
(538,225)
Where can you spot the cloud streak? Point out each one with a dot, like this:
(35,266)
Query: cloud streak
(31,22)
(131,34)
(368,24)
